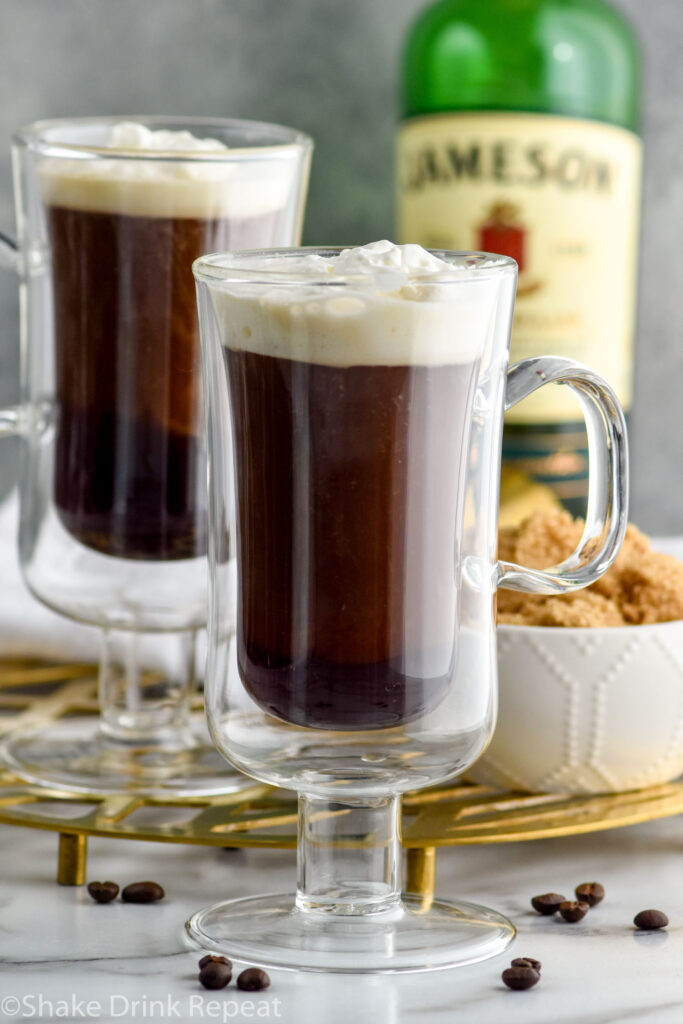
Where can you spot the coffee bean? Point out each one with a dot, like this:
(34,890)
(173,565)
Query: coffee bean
(215,975)
(213,958)
(650,920)
(142,892)
(520,978)
(548,903)
(253,980)
(103,892)
(591,893)
(572,911)
(526,961)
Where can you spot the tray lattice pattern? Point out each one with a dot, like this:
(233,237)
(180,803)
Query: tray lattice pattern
(259,816)
(33,693)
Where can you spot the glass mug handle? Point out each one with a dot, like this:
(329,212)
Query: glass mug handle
(9,254)
(11,417)
(607,512)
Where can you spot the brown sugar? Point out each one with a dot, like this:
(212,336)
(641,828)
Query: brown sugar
(643,586)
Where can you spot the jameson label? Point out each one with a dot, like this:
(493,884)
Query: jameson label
(559,195)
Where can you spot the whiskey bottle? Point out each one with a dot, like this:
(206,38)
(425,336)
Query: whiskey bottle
(519,136)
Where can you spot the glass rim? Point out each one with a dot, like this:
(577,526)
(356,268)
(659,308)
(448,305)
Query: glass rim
(277,138)
(232,267)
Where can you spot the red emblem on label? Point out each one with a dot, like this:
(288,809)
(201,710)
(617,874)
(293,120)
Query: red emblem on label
(503,233)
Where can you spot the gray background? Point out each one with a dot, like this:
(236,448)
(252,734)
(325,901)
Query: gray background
(330,67)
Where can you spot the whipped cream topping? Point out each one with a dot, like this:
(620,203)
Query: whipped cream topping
(409,259)
(378,304)
(226,183)
(131,136)
(375,260)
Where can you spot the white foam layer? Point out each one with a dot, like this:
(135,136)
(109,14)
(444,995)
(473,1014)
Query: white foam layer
(215,182)
(388,312)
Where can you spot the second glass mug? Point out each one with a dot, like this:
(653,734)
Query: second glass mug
(354,431)
(113,527)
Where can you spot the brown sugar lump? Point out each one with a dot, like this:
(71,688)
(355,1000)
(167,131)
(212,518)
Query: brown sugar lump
(543,539)
(642,587)
(580,609)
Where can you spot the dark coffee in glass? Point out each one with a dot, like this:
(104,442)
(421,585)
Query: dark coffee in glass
(344,524)
(130,454)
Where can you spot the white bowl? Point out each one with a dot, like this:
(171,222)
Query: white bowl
(587,710)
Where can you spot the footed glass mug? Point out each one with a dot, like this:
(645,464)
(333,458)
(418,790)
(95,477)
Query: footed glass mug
(355,407)
(113,527)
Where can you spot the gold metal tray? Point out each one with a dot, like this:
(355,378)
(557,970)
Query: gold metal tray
(33,693)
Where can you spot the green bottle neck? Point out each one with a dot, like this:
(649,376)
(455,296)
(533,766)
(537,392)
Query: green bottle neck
(576,58)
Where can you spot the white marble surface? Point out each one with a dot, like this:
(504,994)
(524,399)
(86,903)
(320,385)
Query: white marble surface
(56,944)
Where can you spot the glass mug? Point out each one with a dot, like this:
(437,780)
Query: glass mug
(354,433)
(113,523)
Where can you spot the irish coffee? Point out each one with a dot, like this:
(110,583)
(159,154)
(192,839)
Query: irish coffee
(351,420)
(129,454)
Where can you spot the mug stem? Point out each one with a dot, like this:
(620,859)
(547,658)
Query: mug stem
(146,683)
(348,856)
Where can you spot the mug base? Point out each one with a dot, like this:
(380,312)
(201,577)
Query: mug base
(77,757)
(423,934)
